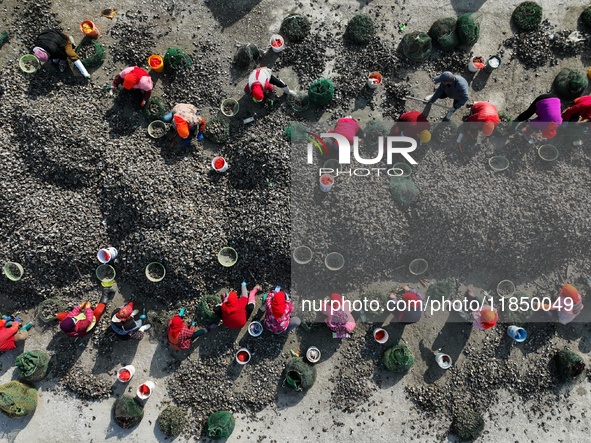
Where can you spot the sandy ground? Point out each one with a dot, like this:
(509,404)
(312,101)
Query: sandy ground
(297,418)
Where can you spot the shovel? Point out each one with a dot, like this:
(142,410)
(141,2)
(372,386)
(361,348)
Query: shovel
(426,102)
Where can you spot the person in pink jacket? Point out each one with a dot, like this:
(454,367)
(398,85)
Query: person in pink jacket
(261,81)
(340,320)
(134,77)
(580,110)
(348,127)
(547,108)
(278,310)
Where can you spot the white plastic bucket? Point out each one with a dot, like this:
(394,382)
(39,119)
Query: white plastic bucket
(278,41)
(255,328)
(145,390)
(326,182)
(242,356)
(105,255)
(516,333)
(471,66)
(374,79)
(380,335)
(313,354)
(223,168)
(443,360)
(121,373)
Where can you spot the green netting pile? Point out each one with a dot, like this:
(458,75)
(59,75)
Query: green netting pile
(299,375)
(569,364)
(247,55)
(570,84)
(127,412)
(220,425)
(467,424)
(155,108)
(91,52)
(398,359)
(176,58)
(416,46)
(172,421)
(443,32)
(321,92)
(440,289)
(296,132)
(586,17)
(217,130)
(295,28)
(17,399)
(527,16)
(205,312)
(4,38)
(373,130)
(33,365)
(468,29)
(360,29)
(299,101)
(380,297)
(404,191)
(47,309)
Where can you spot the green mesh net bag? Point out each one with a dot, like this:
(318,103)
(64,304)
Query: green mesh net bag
(527,16)
(299,101)
(217,130)
(570,84)
(373,130)
(247,55)
(569,365)
(4,37)
(321,92)
(440,289)
(33,365)
(416,46)
(295,28)
(47,309)
(468,29)
(220,425)
(17,399)
(91,53)
(127,412)
(467,424)
(296,132)
(586,17)
(205,312)
(443,33)
(172,421)
(360,29)
(398,359)
(176,58)
(404,191)
(299,375)
(155,108)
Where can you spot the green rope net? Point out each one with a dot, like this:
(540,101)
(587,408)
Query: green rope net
(416,46)
(217,130)
(33,365)
(205,312)
(404,191)
(443,33)
(176,58)
(220,425)
(172,421)
(295,28)
(373,131)
(4,38)
(468,29)
(586,17)
(247,55)
(360,29)
(570,84)
(439,290)
(48,308)
(527,16)
(398,359)
(321,92)
(569,364)
(299,375)
(296,132)
(155,108)
(91,53)
(127,412)
(467,424)
(17,399)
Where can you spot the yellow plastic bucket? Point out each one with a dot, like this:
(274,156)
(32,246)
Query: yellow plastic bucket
(156,63)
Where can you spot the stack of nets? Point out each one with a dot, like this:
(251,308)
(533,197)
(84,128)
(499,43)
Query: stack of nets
(91,53)
(176,58)
(360,29)
(440,289)
(47,309)
(404,190)
(569,365)
(373,131)
(127,412)
(468,29)
(220,425)
(467,425)
(527,16)
(321,92)
(296,132)
(570,84)
(155,108)
(17,399)
(443,32)
(416,46)
(205,307)
(217,130)
(172,421)
(299,375)
(295,28)
(247,55)
(398,359)
(33,365)
(586,17)
(3,38)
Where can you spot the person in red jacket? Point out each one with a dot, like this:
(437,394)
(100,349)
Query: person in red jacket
(180,336)
(580,110)
(11,333)
(348,127)
(412,124)
(234,311)
(487,115)
(134,77)
(82,319)
(262,80)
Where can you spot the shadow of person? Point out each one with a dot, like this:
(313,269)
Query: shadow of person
(125,116)
(114,350)
(228,12)
(66,352)
(10,428)
(480,80)
(464,6)
(452,338)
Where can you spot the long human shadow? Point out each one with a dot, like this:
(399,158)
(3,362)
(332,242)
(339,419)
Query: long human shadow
(451,340)
(66,352)
(465,6)
(228,12)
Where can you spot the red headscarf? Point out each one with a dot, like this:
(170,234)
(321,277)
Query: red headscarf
(176,325)
(125,311)
(231,303)
(278,304)
(257,92)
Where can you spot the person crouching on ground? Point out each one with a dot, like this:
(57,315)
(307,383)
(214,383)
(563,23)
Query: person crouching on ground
(180,336)
(126,322)
(185,120)
(279,308)
(235,311)
(549,116)
(56,46)
(349,128)
(134,77)
(412,124)
(450,86)
(340,321)
(261,81)
(412,307)
(486,318)
(11,332)
(567,304)
(82,319)
(484,117)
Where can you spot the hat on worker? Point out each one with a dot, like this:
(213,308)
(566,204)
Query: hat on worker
(424,136)
(444,77)
(67,324)
(182,128)
(550,130)
(130,80)
(571,292)
(488,128)
(41,54)
(257,92)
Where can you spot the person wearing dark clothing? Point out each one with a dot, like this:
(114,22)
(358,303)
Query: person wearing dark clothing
(57,46)
(450,86)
